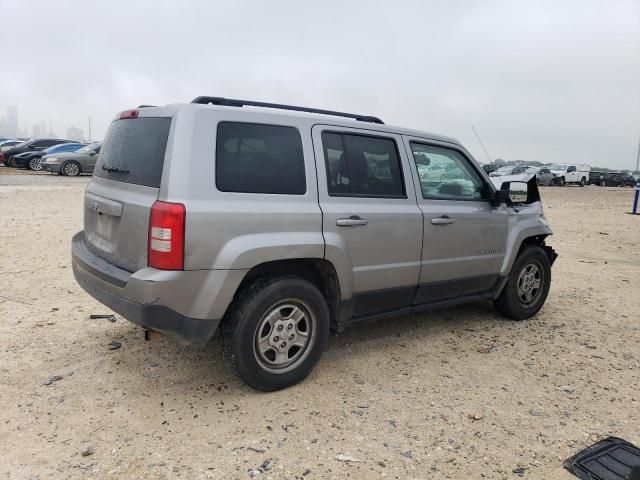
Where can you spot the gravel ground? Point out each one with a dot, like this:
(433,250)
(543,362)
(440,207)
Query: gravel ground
(457,393)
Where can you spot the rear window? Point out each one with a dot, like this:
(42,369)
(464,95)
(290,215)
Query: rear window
(133,151)
(256,158)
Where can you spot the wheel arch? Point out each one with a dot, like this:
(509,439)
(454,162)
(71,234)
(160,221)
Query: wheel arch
(531,235)
(317,271)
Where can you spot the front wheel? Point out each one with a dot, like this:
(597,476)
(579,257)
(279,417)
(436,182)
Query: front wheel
(71,169)
(276,332)
(528,285)
(561,182)
(34,164)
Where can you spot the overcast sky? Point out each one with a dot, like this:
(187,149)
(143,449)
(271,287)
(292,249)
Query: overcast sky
(540,80)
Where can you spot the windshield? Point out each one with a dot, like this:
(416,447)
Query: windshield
(89,148)
(505,169)
(23,144)
(532,170)
(557,166)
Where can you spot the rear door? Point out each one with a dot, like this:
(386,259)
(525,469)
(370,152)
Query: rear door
(370,220)
(125,185)
(464,236)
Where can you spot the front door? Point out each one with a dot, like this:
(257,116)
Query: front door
(370,220)
(464,236)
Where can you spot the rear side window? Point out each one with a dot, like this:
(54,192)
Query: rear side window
(362,165)
(256,158)
(133,151)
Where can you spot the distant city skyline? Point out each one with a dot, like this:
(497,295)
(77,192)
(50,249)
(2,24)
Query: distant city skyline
(12,127)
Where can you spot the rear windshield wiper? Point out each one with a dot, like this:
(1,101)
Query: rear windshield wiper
(115,170)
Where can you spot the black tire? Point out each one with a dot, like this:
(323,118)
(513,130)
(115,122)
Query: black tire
(71,169)
(603,183)
(511,303)
(248,313)
(583,182)
(561,182)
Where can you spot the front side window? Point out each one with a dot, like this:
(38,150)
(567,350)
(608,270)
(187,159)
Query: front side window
(256,158)
(446,174)
(362,165)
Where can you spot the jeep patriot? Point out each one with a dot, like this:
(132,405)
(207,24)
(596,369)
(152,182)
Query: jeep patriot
(278,223)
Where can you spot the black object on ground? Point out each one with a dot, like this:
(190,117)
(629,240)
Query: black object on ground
(609,459)
(111,318)
(114,345)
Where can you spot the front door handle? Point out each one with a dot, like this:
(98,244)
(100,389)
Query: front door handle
(352,221)
(443,220)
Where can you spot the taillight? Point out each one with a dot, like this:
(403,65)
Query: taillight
(129,114)
(166,236)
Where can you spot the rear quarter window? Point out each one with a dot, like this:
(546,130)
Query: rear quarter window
(259,158)
(133,151)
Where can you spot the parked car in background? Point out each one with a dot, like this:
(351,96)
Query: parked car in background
(31,145)
(629,180)
(8,144)
(489,167)
(567,173)
(611,179)
(595,176)
(72,164)
(31,160)
(508,170)
(543,175)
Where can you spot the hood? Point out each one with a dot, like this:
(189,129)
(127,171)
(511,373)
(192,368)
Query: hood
(558,172)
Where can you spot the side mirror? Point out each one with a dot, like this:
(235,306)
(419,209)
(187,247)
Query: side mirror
(518,192)
(512,192)
(92,153)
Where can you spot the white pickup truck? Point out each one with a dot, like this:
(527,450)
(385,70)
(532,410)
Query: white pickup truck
(577,173)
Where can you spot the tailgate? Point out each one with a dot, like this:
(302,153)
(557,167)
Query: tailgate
(126,183)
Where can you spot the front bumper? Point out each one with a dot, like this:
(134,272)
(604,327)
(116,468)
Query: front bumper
(186,306)
(51,167)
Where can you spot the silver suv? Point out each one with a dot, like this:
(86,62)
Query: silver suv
(279,223)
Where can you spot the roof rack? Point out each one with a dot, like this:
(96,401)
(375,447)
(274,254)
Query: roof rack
(231,102)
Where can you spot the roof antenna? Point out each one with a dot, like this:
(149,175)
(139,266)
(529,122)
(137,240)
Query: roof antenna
(478,137)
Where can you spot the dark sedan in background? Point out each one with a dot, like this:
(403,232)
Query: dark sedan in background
(30,146)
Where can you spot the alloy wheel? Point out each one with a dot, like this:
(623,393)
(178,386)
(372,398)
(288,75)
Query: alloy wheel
(34,164)
(71,169)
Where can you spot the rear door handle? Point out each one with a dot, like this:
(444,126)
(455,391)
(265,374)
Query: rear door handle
(443,220)
(352,221)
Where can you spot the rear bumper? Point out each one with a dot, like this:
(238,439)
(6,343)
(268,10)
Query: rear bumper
(186,306)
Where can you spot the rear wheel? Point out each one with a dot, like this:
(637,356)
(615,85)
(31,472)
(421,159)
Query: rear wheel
(34,164)
(71,169)
(528,285)
(603,183)
(583,182)
(276,331)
